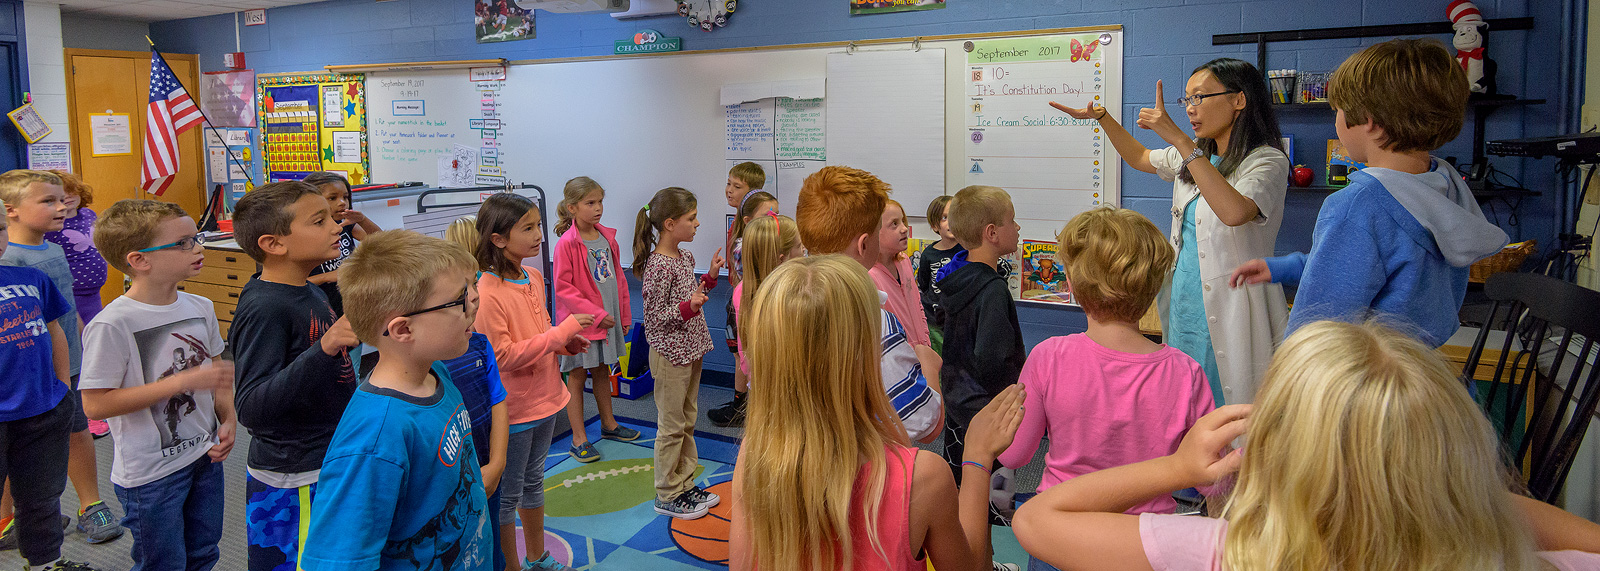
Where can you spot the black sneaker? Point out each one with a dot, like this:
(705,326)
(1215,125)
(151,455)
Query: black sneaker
(682,507)
(731,414)
(8,536)
(703,497)
(63,565)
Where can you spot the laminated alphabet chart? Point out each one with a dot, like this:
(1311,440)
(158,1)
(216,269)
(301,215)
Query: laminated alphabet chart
(1053,166)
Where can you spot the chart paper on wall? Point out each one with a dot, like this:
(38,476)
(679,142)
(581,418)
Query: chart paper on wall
(1053,166)
(783,135)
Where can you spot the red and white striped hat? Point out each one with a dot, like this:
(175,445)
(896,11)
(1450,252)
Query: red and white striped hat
(1464,12)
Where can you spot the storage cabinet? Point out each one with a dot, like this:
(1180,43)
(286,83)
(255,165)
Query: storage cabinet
(226,271)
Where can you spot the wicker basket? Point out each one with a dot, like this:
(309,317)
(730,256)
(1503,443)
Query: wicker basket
(1508,259)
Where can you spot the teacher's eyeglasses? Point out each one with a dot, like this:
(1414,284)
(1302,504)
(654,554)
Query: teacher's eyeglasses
(461,301)
(185,243)
(1194,100)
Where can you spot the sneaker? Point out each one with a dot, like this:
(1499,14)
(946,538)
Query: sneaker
(731,414)
(99,428)
(702,497)
(621,434)
(546,563)
(97,522)
(8,532)
(998,566)
(681,507)
(585,453)
(62,565)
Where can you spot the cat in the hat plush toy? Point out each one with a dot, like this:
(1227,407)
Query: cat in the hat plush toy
(1466,19)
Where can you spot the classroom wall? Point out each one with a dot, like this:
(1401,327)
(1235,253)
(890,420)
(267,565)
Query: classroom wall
(1165,40)
(47,75)
(91,33)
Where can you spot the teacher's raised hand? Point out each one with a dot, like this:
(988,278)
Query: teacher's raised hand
(1156,119)
(1093,111)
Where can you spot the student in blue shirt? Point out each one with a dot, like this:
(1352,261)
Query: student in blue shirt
(400,487)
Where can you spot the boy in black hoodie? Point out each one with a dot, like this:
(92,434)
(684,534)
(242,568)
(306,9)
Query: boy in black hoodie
(983,351)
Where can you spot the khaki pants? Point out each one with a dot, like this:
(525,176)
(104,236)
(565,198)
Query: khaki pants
(677,390)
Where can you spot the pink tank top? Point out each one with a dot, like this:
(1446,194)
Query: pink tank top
(894,516)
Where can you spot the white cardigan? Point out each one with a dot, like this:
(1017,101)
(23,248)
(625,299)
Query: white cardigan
(1246,323)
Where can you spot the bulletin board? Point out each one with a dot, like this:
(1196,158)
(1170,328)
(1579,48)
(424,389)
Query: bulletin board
(313,122)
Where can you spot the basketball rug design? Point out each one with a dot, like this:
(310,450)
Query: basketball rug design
(602,516)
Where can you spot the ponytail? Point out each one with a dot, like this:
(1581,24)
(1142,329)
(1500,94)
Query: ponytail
(571,194)
(668,203)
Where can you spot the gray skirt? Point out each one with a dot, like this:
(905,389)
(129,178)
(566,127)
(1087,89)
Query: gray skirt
(602,352)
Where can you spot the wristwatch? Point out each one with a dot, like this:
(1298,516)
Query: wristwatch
(1197,153)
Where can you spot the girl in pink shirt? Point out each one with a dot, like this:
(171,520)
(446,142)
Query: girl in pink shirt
(1364,452)
(894,276)
(589,281)
(1109,396)
(511,314)
(858,495)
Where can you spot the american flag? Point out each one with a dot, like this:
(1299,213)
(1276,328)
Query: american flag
(171,112)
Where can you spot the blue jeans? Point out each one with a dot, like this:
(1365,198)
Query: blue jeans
(1034,564)
(177,520)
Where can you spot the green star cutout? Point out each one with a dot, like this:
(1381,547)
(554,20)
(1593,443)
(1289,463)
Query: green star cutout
(327,154)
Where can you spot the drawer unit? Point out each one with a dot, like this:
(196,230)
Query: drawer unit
(226,271)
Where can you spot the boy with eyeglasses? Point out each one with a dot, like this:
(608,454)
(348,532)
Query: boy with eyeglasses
(400,486)
(150,369)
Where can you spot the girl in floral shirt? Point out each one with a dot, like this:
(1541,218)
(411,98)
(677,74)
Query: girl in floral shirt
(676,330)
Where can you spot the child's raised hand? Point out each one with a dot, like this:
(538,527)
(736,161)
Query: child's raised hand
(353,217)
(1156,119)
(995,426)
(608,322)
(339,337)
(584,319)
(1204,456)
(716,262)
(1251,273)
(217,375)
(697,299)
(1093,111)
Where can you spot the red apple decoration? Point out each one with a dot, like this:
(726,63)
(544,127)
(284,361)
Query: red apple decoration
(1301,175)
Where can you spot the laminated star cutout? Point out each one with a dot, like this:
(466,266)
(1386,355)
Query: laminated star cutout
(356,176)
(351,91)
(327,154)
(350,109)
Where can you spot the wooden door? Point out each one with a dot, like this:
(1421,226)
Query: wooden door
(101,81)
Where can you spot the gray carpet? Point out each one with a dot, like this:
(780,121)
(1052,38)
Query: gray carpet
(113,556)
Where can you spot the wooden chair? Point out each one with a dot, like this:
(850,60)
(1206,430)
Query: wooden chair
(1540,409)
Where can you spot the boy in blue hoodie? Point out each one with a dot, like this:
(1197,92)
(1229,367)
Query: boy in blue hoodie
(1399,239)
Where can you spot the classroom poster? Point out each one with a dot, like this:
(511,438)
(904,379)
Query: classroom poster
(228,97)
(1043,278)
(110,134)
(1054,166)
(313,122)
(859,7)
(502,21)
(782,134)
(50,156)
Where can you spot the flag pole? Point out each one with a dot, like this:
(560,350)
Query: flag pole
(207,120)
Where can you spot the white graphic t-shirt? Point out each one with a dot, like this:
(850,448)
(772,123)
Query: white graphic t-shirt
(131,344)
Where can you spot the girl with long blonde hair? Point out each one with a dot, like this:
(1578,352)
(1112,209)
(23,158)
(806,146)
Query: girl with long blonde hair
(1364,452)
(769,241)
(838,484)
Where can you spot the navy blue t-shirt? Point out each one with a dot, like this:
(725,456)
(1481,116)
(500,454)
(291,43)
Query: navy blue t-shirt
(477,376)
(28,303)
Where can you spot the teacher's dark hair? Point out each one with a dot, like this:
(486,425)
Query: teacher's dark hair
(1255,126)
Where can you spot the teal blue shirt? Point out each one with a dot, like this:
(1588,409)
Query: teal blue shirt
(1186,316)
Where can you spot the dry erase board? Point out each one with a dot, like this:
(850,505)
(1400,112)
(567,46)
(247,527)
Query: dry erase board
(639,124)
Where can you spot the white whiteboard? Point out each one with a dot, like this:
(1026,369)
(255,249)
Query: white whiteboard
(639,124)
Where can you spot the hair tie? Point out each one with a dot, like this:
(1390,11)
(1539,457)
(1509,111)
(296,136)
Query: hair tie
(775,220)
(647,208)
